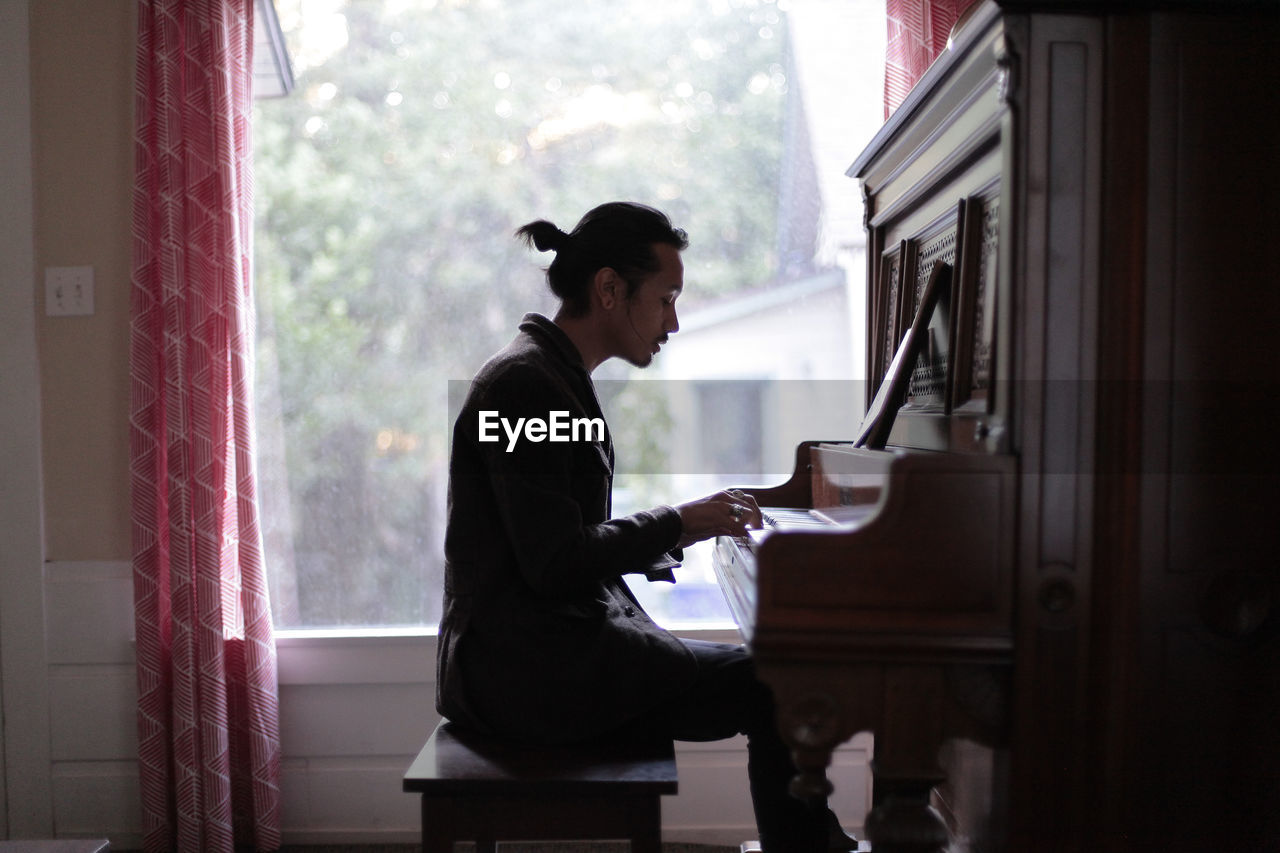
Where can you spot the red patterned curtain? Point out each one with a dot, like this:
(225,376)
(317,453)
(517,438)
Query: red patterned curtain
(918,31)
(209,742)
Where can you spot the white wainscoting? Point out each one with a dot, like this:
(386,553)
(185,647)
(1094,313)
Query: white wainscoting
(354,710)
(93,697)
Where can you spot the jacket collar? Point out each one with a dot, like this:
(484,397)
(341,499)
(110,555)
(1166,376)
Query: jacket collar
(553,339)
(539,327)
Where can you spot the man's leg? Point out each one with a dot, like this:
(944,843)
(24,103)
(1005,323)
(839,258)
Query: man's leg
(727,699)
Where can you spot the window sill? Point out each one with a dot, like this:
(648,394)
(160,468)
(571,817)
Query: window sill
(291,636)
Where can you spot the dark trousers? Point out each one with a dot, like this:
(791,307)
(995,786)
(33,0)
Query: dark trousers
(727,700)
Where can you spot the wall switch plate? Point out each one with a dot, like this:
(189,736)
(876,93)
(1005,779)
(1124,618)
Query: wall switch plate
(68,291)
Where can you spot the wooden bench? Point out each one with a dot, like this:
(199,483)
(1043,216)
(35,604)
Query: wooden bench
(479,789)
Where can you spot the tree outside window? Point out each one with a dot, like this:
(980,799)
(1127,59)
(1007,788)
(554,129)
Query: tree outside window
(421,133)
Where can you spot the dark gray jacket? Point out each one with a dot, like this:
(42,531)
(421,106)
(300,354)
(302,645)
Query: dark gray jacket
(540,639)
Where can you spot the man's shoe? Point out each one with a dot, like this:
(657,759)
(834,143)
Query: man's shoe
(837,838)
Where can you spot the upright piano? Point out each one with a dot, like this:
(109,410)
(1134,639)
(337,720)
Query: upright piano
(1061,535)
(881,597)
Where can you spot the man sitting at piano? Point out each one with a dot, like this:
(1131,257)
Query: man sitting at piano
(541,639)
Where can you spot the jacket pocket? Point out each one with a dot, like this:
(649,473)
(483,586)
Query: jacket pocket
(583,610)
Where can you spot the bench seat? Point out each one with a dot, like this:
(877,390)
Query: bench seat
(480,789)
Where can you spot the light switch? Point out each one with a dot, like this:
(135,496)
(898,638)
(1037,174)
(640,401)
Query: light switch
(68,291)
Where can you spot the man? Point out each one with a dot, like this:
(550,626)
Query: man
(541,639)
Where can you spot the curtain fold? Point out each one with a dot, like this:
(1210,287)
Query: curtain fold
(209,745)
(918,31)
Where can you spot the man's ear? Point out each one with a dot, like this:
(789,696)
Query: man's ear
(607,285)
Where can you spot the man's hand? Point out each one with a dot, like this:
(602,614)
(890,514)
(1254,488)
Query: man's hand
(728,513)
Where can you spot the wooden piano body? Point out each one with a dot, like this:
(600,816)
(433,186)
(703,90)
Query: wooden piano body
(951,577)
(1054,601)
(898,622)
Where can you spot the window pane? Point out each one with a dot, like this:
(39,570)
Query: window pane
(388,184)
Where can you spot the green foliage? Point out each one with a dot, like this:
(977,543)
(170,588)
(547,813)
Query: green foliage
(388,186)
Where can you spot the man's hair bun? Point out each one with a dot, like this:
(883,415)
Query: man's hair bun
(543,236)
(618,234)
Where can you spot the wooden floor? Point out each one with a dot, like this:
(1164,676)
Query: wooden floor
(511,847)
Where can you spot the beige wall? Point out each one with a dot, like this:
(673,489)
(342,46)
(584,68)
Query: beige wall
(81,101)
(65,172)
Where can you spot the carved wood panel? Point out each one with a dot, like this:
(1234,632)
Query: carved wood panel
(985,296)
(975,300)
(892,286)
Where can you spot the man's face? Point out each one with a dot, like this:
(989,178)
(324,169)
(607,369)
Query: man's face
(649,316)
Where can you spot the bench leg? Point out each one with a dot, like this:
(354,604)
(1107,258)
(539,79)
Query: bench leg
(437,830)
(646,826)
(434,842)
(647,842)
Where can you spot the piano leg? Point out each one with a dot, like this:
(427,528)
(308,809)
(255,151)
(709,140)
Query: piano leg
(902,821)
(903,706)
(905,769)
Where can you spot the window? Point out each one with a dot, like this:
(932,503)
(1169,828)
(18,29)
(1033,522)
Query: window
(731,413)
(421,133)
